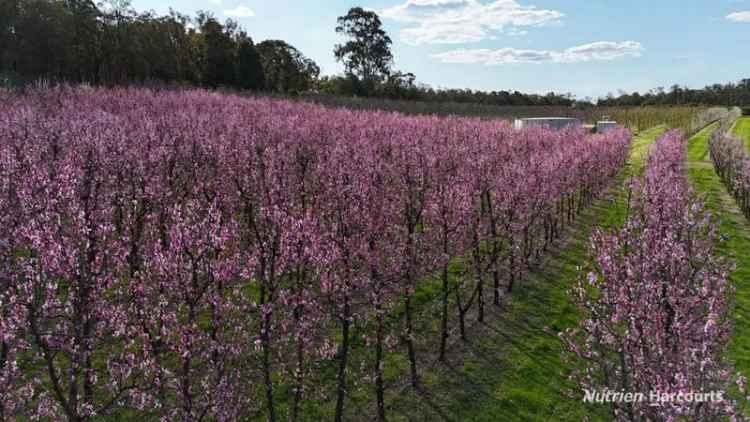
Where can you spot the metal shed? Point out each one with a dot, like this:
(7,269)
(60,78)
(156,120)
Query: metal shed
(605,125)
(552,122)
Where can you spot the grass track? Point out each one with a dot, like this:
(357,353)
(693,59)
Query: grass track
(511,369)
(742,129)
(734,228)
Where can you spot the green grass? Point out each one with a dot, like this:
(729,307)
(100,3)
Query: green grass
(512,368)
(742,129)
(734,228)
(698,145)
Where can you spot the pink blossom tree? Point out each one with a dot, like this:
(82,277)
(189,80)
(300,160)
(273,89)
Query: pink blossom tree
(656,308)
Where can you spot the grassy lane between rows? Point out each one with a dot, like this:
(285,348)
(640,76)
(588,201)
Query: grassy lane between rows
(742,129)
(511,369)
(735,232)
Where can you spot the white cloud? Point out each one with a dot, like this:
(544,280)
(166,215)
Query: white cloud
(240,12)
(739,16)
(217,2)
(464,21)
(597,51)
(602,50)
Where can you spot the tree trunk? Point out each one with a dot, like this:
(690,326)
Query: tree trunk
(480,286)
(444,316)
(299,380)
(478,278)
(512,265)
(344,357)
(496,280)
(266,342)
(462,312)
(3,358)
(410,344)
(462,323)
(495,254)
(379,384)
(187,406)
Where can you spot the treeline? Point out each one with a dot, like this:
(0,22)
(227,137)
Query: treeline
(446,108)
(730,94)
(112,44)
(403,86)
(76,41)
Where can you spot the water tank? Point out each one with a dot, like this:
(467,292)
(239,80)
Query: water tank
(552,122)
(605,125)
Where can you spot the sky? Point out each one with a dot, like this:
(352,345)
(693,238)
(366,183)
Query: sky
(585,47)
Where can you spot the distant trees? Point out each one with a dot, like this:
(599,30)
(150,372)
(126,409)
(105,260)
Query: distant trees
(219,51)
(8,16)
(368,61)
(134,48)
(286,69)
(23,50)
(403,86)
(112,44)
(249,67)
(76,41)
(730,94)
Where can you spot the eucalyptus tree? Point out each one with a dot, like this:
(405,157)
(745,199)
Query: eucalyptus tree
(367,52)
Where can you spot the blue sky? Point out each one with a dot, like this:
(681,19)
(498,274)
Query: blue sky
(585,47)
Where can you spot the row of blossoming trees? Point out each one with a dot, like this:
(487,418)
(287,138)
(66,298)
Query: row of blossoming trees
(656,310)
(193,256)
(732,164)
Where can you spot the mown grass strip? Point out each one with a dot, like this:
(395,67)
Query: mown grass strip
(742,129)
(512,368)
(735,232)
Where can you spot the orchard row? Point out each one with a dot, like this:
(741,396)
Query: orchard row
(732,163)
(195,256)
(657,307)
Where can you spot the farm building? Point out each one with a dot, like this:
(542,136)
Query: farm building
(552,122)
(605,125)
